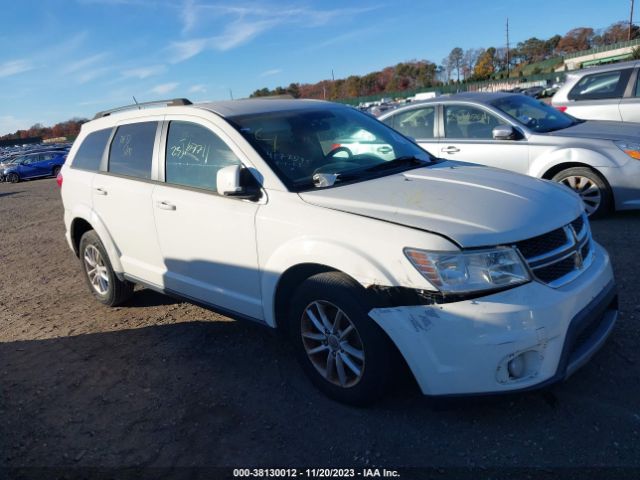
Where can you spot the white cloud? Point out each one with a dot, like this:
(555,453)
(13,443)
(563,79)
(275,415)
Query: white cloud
(245,23)
(181,51)
(144,72)
(268,73)
(197,89)
(164,88)
(14,67)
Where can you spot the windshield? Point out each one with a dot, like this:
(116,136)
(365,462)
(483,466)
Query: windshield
(534,114)
(317,147)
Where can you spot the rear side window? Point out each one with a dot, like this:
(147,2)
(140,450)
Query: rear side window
(131,151)
(416,123)
(194,156)
(601,85)
(90,152)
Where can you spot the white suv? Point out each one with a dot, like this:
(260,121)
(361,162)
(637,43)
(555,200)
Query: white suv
(483,280)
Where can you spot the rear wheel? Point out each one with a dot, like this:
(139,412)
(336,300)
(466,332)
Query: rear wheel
(592,188)
(55,171)
(13,178)
(343,351)
(102,280)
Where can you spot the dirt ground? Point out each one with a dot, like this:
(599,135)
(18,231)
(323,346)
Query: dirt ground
(159,383)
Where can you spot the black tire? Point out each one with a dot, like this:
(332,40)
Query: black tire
(597,204)
(55,171)
(116,292)
(13,178)
(338,290)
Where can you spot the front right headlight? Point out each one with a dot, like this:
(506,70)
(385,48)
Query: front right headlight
(470,271)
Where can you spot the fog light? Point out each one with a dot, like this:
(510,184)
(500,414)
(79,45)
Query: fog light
(516,366)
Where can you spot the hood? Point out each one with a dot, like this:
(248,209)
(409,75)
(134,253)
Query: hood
(474,206)
(601,130)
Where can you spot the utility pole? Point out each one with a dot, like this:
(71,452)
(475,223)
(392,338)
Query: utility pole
(630,21)
(508,60)
(231,94)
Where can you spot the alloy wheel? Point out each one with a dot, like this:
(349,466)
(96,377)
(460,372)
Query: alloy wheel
(96,270)
(587,189)
(332,343)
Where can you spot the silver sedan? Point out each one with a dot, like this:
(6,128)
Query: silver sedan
(599,160)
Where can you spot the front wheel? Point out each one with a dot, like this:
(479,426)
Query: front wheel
(343,351)
(592,188)
(55,171)
(13,178)
(102,280)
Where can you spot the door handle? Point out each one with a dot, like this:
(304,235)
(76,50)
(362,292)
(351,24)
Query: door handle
(450,149)
(100,191)
(165,206)
(384,149)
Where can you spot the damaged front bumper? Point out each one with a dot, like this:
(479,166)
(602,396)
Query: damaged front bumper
(518,339)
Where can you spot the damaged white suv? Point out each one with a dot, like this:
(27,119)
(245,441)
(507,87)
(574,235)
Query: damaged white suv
(483,280)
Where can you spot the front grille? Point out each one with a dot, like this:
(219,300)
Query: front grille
(556,270)
(543,243)
(557,257)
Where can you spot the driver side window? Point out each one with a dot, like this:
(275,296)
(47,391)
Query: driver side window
(462,121)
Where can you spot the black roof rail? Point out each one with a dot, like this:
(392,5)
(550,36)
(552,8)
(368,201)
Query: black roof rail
(172,102)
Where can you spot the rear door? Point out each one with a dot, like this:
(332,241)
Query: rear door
(122,198)
(208,241)
(468,136)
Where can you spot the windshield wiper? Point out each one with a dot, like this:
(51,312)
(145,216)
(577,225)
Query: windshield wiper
(407,161)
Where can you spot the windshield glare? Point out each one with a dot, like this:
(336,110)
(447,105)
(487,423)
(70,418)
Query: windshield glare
(339,141)
(533,114)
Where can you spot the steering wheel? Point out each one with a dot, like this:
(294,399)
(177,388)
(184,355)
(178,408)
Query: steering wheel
(332,153)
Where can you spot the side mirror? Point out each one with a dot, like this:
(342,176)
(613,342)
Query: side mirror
(503,132)
(236,181)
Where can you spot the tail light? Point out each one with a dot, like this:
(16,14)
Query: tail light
(562,108)
(59,179)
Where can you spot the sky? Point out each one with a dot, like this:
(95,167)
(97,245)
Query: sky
(61,59)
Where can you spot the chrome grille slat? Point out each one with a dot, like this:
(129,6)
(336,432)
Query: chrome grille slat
(556,261)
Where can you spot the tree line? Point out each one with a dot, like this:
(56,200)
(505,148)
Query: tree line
(475,64)
(69,129)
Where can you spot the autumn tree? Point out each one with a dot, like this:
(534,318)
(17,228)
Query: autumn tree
(576,40)
(486,64)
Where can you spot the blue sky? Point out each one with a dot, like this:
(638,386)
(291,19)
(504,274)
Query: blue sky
(66,58)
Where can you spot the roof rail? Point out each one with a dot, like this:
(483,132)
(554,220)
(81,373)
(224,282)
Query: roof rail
(172,102)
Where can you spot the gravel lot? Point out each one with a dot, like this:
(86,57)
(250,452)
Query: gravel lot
(159,383)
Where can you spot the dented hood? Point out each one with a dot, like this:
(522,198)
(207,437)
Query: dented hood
(472,205)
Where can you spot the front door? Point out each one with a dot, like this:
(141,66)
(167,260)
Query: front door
(468,137)
(207,240)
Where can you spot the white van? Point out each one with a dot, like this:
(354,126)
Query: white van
(483,280)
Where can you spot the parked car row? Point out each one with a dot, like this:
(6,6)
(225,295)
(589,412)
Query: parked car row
(36,162)
(320,221)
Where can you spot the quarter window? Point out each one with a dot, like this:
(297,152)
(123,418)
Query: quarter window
(90,152)
(415,123)
(462,121)
(194,155)
(601,85)
(132,150)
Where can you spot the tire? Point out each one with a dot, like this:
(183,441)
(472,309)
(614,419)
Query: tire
(354,343)
(593,189)
(55,171)
(104,284)
(13,178)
